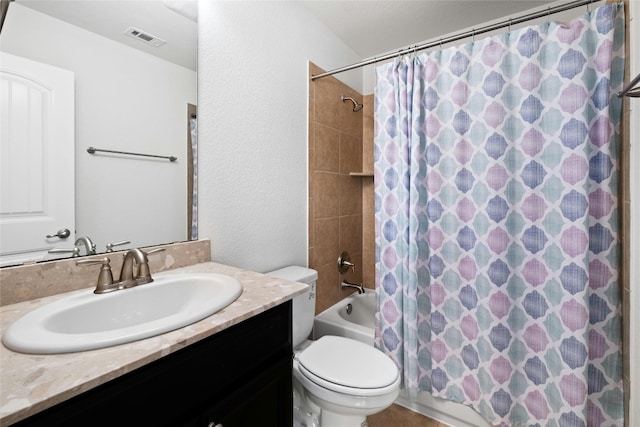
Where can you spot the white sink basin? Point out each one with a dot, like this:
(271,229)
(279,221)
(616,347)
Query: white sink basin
(87,321)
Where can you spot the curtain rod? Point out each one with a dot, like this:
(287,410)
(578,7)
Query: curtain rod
(459,36)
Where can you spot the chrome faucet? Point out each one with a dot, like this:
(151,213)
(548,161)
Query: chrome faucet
(128,278)
(142,275)
(88,244)
(345,284)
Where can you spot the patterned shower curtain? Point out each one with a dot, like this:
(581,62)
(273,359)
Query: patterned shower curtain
(193,124)
(497,222)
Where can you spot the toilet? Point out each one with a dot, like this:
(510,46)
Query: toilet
(337,381)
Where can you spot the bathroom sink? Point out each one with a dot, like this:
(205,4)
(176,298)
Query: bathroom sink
(86,321)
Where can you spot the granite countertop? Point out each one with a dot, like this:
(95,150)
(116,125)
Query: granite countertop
(31,383)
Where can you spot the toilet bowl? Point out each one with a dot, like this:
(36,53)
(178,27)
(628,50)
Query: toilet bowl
(342,380)
(346,379)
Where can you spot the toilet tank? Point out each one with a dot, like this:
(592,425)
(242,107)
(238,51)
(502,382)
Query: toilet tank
(304,306)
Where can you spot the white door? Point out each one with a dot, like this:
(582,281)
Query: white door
(36,159)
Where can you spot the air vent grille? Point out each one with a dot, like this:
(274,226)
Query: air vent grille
(144,36)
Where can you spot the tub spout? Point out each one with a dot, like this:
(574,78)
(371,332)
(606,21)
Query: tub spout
(346,284)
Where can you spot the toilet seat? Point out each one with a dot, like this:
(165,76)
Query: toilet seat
(348,366)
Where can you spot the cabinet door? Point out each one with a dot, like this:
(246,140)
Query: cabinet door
(265,401)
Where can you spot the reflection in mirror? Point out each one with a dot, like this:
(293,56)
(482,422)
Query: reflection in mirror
(132,66)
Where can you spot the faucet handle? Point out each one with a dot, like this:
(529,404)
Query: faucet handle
(111,245)
(154,251)
(344,263)
(75,251)
(144,272)
(105,278)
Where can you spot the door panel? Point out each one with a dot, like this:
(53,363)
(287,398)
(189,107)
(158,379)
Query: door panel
(36,158)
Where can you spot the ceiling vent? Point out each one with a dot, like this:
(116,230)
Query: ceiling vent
(145,37)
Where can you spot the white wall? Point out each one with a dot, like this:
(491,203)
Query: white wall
(125,100)
(252,84)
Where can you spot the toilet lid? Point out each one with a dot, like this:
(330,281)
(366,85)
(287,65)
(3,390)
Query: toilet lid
(349,363)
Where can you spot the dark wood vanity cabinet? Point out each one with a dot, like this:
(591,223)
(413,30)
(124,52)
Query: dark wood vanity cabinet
(236,378)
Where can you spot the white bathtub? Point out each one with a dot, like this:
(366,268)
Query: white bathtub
(358,322)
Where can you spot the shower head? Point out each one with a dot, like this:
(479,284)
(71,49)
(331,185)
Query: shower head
(356,106)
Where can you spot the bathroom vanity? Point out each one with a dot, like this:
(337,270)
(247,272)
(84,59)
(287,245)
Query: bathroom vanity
(232,368)
(222,379)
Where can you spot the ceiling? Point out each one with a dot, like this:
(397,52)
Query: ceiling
(172,21)
(369,27)
(372,27)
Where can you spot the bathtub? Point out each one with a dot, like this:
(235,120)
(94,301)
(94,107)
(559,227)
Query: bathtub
(354,317)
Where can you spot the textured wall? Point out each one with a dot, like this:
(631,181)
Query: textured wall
(252,85)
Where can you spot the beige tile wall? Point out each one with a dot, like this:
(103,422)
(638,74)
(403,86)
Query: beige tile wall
(335,197)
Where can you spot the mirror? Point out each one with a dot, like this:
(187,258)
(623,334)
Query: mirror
(134,67)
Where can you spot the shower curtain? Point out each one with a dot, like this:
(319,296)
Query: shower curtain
(193,125)
(496,222)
